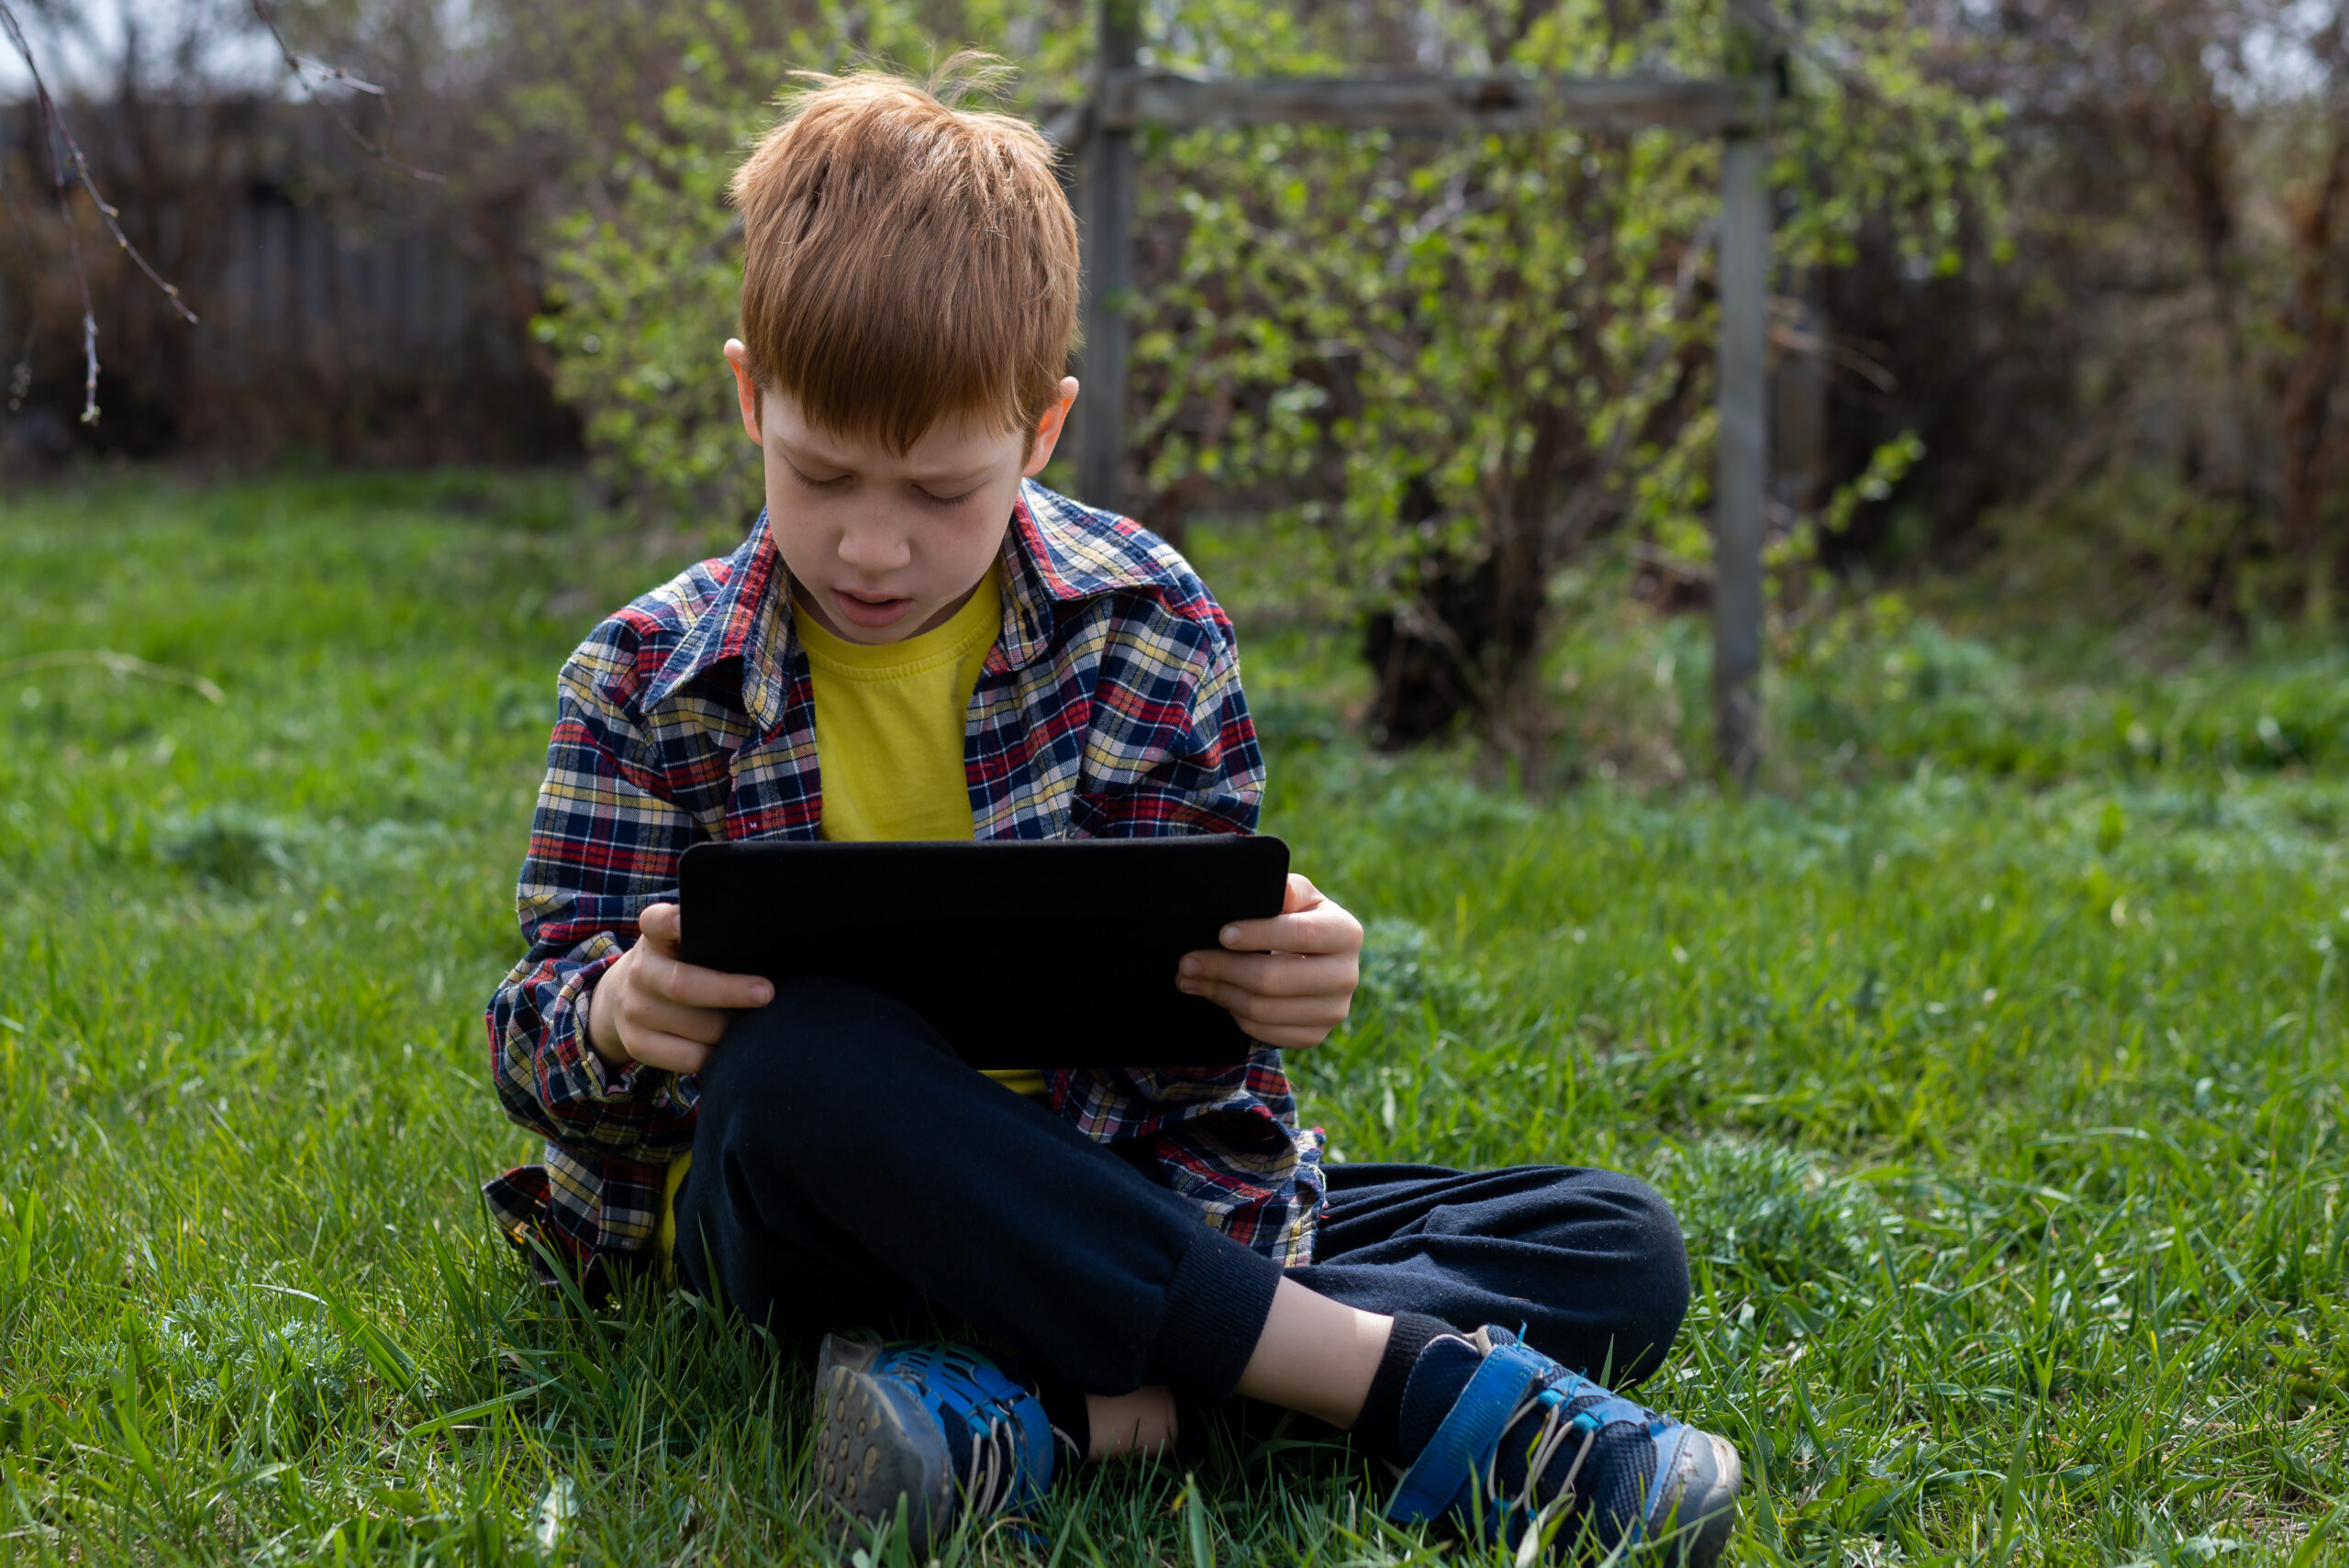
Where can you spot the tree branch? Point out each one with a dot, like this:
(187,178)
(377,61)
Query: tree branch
(63,149)
(303,67)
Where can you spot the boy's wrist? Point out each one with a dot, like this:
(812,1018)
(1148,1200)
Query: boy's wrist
(602,1031)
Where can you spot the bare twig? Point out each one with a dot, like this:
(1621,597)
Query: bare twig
(1796,339)
(121,664)
(65,153)
(305,68)
(62,149)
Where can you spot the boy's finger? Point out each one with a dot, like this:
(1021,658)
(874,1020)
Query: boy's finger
(1325,927)
(707,1025)
(1311,1029)
(1252,1010)
(1296,1037)
(1299,896)
(662,924)
(695,986)
(1275,973)
(670,1054)
(1326,1008)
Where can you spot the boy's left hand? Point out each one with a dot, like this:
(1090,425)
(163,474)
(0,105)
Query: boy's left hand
(1289,979)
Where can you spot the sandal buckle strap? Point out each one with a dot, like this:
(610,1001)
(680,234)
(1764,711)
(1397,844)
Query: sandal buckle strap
(1451,1461)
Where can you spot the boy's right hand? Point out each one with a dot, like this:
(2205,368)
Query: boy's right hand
(654,1008)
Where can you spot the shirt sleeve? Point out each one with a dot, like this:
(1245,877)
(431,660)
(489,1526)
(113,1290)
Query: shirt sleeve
(1173,750)
(605,841)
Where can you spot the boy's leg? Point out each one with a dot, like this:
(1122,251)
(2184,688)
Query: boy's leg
(1522,1440)
(1587,1265)
(848,1167)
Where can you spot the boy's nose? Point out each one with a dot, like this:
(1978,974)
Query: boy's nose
(874,548)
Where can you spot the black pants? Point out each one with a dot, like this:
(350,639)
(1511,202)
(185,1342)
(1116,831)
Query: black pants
(850,1170)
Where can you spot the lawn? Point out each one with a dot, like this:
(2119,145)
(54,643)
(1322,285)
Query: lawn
(1995,1071)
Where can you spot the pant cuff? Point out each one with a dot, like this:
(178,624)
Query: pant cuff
(1216,1307)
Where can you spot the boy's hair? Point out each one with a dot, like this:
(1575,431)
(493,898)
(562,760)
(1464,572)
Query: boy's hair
(904,259)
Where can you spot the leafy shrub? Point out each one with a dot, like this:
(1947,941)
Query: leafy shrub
(1912,691)
(1458,357)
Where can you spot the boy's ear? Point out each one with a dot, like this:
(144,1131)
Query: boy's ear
(1048,431)
(746,390)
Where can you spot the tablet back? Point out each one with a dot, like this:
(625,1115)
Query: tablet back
(1053,953)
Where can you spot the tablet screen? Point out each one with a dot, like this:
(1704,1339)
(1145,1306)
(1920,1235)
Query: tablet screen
(1050,953)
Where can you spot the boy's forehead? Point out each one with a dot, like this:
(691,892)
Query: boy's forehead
(959,443)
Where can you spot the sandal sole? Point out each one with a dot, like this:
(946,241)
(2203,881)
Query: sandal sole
(870,1453)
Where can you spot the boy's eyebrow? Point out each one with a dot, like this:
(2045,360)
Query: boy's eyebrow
(806,456)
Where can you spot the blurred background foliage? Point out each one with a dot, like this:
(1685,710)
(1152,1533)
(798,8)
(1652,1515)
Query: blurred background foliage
(2060,324)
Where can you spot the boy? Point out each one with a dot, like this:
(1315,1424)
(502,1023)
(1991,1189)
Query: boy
(917,641)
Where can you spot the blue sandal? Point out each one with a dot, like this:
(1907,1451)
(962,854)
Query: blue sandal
(935,1425)
(1532,1455)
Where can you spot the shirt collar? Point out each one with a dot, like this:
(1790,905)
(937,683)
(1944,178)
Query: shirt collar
(750,619)
(1049,559)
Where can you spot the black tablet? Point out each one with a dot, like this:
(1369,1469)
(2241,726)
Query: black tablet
(1053,953)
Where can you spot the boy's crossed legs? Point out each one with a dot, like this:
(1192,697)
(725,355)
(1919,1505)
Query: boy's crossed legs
(847,1169)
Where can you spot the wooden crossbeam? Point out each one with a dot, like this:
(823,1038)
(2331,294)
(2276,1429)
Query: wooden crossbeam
(1736,109)
(1604,105)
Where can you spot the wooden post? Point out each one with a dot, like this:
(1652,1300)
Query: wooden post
(1108,256)
(1743,453)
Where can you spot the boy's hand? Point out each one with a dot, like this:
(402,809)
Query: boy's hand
(652,1007)
(1289,978)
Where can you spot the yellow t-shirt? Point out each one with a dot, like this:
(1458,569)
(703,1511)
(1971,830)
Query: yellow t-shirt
(889,724)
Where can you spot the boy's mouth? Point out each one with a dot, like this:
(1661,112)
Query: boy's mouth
(869,611)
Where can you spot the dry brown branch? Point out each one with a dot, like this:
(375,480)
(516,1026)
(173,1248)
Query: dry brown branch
(69,167)
(62,149)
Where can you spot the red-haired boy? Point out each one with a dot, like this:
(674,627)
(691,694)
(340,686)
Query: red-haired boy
(919,641)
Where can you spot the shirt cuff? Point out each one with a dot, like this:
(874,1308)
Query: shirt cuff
(629,1080)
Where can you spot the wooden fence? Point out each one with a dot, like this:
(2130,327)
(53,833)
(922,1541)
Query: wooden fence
(339,311)
(1738,111)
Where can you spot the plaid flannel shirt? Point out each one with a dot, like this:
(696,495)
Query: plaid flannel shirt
(1110,706)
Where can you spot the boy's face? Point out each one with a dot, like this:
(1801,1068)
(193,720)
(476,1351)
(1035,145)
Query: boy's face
(883,546)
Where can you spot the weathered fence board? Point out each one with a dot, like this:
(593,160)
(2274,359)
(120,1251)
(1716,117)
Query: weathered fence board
(338,312)
(1604,105)
(1741,454)
(1108,193)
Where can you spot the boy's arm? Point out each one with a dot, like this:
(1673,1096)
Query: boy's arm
(605,842)
(1289,979)
(1173,750)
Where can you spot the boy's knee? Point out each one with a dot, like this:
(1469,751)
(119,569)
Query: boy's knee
(808,1051)
(1653,1269)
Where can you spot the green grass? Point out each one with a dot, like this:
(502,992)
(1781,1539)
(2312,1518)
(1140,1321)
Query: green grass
(2001,1102)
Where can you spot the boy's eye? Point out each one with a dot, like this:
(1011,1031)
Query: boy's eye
(833,483)
(937,500)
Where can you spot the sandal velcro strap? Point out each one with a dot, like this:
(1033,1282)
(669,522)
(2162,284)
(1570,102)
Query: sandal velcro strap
(1606,1408)
(1470,1430)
